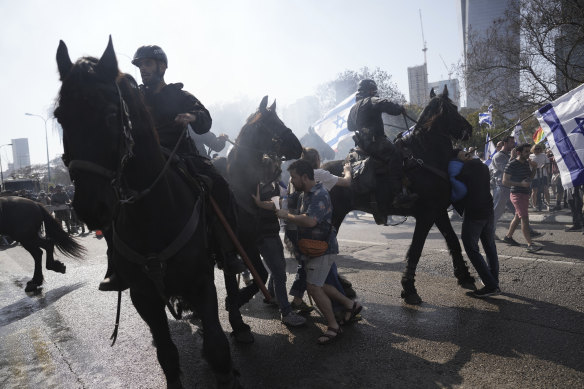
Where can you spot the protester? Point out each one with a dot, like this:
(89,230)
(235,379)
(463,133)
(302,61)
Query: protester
(518,175)
(501,192)
(272,250)
(575,202)
(61,201)
(328,180)
(539,184)
(478,223)
(314,219)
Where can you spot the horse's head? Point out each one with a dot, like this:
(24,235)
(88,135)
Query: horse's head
(442,115)
(264,141)
(97,136)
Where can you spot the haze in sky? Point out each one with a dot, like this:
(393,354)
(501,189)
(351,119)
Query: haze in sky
(222,50)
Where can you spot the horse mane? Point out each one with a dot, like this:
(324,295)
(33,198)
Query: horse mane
(431,112)
(135,102)
(250,124)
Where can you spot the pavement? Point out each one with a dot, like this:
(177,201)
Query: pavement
(563,216)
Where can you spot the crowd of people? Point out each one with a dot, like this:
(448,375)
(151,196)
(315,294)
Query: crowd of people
(523,178)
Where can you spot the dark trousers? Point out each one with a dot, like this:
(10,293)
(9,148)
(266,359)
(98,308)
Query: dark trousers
(474,230)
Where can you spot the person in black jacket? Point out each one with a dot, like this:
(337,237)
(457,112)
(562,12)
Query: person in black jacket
(478,223)
(365,118)
(172,110)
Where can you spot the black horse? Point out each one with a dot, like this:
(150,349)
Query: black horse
(431,148)
(123,180)
(262,144)
(21,220)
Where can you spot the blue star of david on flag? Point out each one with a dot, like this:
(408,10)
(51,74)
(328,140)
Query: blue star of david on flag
(340,122)
(566,141)
(332,128)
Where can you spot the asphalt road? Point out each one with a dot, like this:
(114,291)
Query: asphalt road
(532,336)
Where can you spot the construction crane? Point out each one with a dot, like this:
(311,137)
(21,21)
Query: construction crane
(423,39)
(447,69)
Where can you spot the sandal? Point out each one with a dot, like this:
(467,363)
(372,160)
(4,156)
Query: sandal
(328,338)
(354,311)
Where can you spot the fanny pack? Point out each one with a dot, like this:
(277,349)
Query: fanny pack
(313,248)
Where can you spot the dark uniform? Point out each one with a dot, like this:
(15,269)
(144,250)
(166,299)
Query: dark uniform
(164,106)
(366,121)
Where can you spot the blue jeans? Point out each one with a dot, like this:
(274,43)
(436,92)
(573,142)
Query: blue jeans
(483,229)
(272,251)
(500,199)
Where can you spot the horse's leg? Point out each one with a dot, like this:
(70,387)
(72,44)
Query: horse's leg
(215,344)
(423,224)
(461,272)
(37,254)
(151,310)
(51,263)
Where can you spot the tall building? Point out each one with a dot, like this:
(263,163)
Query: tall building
(569,50)
(20,154)
(477,17)
(418,85)
(453,89)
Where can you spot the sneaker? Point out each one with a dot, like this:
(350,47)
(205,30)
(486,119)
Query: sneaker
(486,292)
(293,319)
(533,248)
(535,234)
(302,307)
(509,240)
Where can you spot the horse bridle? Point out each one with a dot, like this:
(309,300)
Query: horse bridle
(127,145)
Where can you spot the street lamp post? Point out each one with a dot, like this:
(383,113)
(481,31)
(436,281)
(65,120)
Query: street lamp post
(47,141)
(1,170)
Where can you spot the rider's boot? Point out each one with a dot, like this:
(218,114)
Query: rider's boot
(112,283)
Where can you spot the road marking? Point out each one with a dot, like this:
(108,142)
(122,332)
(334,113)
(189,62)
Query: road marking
(532,259)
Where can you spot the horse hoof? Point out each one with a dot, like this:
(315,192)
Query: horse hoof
(57,266)
(411,298)
(32,286)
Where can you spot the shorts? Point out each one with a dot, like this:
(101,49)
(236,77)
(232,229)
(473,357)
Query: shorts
(521,203)
(317,268)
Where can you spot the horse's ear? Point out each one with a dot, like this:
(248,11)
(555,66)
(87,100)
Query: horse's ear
(273,106)
(445,91)
(108,64)
(264,104)
(63,61)
(432,93)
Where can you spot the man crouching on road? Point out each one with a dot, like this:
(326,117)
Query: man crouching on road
(314,219)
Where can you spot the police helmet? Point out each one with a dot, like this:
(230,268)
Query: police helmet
(367,87)
(152,52)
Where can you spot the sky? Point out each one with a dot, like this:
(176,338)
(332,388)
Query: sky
(222,50)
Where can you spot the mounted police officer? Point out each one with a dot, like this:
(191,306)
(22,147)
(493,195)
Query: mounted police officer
(173,110)
(366,121)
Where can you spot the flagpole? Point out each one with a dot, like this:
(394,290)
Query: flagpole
(512,127)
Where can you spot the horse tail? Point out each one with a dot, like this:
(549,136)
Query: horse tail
(54,231)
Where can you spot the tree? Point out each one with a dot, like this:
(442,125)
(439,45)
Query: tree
(549,58)
(333,92)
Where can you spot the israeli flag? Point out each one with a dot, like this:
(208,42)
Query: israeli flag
(563,124)
(490,151)
(486,117)
(332,128)
(518,131)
